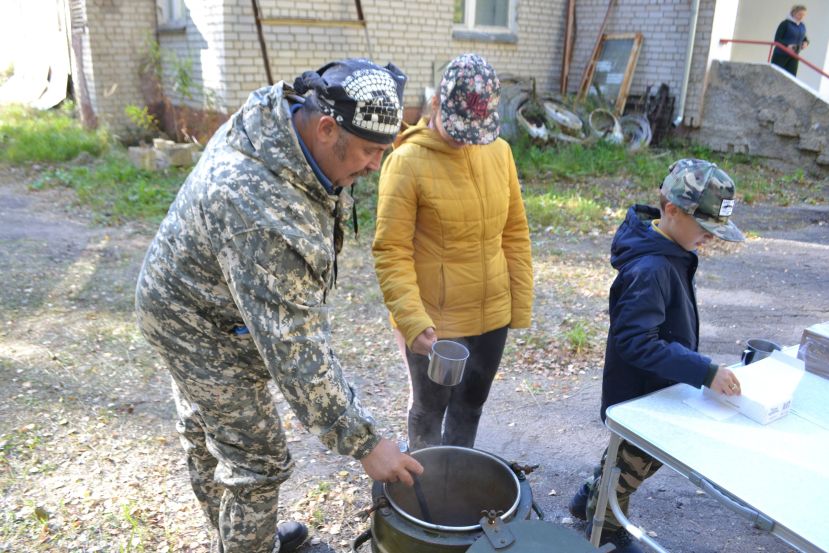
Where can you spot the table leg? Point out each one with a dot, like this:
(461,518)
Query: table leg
(629,527)
(607,496)
(606,487)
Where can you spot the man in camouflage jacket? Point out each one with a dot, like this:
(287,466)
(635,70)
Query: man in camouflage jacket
(232,293)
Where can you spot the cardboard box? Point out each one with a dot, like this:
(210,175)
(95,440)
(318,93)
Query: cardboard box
(814,349)
(767,387)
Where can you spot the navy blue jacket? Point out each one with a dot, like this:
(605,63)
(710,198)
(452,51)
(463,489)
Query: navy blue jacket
(790,33)
(654,324)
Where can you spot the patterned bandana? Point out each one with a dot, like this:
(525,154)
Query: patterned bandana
(469,93)
(364,98)
(706,192)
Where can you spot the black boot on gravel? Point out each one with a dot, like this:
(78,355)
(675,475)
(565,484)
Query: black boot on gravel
(578,505)
(623,541)
(291,534)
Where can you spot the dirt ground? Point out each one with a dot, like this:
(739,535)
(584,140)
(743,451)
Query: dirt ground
(89,458)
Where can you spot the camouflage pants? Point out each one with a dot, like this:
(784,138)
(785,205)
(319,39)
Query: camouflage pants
(229,427)
(635,466)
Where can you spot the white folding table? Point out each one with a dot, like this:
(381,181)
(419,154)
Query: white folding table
(777,474)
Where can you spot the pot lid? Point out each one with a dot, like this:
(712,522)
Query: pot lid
(533,536)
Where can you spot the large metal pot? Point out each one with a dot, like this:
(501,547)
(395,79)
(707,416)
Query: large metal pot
(457,484)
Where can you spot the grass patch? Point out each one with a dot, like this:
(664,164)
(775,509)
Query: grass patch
(567,188)
(365,196)
(576,161)
(28,135)
(553,210)
(579,336)
(577,188)
(116,190)
(19,445)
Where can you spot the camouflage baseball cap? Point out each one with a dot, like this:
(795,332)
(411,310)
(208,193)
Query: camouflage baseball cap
(469,93)
(706,192)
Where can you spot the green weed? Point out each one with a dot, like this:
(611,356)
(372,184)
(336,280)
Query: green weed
(15,527)
(318,518)
(143,125)
(131,514)
(117,190)
(365,196)
(563,211)
(322,489)
(577,161)
(28,135)
(577,337)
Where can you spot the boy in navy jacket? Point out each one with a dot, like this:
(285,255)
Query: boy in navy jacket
(654,324)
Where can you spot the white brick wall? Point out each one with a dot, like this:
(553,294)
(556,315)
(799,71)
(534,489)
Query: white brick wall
(115,37)
(665,25)
(220,38)
(205,42)
(413,35)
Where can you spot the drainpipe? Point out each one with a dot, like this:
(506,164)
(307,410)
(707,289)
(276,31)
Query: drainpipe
(689,54)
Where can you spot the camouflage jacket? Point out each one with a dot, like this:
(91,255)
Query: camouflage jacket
(249,241)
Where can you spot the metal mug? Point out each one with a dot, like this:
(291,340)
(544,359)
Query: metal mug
(446,362)
(757,349)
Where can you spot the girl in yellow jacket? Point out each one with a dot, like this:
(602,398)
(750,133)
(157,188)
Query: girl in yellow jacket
(452,249)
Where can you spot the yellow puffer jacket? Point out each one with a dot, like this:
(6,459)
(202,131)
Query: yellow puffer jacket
(452,246)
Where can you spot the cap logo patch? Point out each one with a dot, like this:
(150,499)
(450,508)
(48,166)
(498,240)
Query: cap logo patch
(476,104)
(726,207)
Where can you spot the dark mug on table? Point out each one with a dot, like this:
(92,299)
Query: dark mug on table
(757,349)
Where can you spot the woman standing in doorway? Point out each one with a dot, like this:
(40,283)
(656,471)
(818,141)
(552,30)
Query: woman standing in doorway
(792,33)
(452,249)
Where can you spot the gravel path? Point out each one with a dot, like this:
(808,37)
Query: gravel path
(88,453)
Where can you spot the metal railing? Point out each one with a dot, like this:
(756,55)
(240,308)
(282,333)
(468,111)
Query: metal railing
(783,47)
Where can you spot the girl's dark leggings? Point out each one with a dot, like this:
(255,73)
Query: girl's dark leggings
(449,415)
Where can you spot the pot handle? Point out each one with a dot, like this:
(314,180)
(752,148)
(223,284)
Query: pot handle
(538,510)
(360,540)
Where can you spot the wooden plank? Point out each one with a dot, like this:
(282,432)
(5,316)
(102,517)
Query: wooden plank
(262,46)
(309,22)
(569,38)
(624,89)
(590,68)
(614,67)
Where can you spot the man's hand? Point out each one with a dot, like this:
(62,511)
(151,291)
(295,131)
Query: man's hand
(423,343)
(725,382)
(386,463)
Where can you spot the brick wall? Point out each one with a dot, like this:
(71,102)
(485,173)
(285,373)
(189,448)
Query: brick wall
(220,39)
(115,38)
(200,48)
(413,35)
(665,25)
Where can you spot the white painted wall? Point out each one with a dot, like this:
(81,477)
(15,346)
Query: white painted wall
(725,20)
(758,20)
(32,41)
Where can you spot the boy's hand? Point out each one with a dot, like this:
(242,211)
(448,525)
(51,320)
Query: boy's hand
(725,382)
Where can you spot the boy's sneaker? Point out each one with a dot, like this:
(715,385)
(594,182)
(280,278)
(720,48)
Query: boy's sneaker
(291,534)
(623,541)
(578,505)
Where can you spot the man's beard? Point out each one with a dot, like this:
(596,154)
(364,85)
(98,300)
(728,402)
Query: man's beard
(341,152)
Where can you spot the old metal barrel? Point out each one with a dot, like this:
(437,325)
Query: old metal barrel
(457,485)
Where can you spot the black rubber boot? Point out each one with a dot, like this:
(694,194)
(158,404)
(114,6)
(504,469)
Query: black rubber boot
(292,535)
(578,505)
(623,541)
